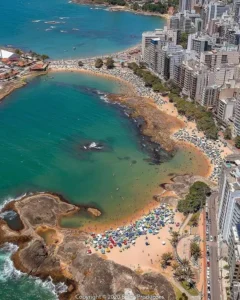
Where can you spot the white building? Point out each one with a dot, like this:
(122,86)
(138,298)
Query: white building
(229,196)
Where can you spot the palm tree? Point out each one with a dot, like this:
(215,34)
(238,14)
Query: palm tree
(166,258)
(185,263)
(175,238)
(175,265)
(189,274)
(180,274)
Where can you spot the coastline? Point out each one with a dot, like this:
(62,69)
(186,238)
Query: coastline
(115,8)
(11,86)
(133,92)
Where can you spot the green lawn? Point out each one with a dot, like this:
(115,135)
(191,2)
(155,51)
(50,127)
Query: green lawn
(191,291)
(178,293)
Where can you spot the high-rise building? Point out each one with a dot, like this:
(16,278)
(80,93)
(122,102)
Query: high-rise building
(170,55)
(185,5)
(229,197)
(215,10)
(237,117)
(210,96)
(149,35)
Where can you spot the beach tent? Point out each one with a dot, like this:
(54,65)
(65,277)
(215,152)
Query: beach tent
(4,54)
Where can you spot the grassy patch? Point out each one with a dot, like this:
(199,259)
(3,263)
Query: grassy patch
(191,291)
(178,293)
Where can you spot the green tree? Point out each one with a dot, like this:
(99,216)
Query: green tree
(80,63)
(135,6)
(175,238)
(98,63)
(183,40)
(110,63)
(18,51)
(237,142)
(195,250)
(44,56)
(228,133)
(166,259)
(195,199)
(194,220)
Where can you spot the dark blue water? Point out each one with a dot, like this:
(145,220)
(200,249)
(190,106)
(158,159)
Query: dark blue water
(99,31)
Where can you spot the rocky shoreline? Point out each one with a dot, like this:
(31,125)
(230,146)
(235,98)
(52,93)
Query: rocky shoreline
(63,254)
(153,123)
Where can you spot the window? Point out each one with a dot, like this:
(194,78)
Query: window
(224,59)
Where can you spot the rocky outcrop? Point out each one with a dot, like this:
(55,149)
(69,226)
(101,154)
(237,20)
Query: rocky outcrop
(94,212)
(181,183)
(157,125)
(65,259)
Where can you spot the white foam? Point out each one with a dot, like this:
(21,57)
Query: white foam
(8,271)
(10,199)
(104,98)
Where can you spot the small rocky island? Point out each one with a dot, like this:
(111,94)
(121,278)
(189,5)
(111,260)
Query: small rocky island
(46,249)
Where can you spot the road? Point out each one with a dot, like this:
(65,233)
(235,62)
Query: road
(214,268)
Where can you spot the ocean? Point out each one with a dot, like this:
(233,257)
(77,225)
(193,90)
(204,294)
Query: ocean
(45,126)
(93,31)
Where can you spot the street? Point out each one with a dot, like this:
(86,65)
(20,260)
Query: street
(212,254)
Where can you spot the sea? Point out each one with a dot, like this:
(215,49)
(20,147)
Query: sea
(46,126)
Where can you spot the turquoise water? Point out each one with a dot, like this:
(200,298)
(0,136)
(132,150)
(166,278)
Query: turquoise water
(100,31)
(43,128)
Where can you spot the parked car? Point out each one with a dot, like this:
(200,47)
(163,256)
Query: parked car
(211,238)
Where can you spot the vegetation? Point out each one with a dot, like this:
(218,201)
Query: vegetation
(191,290)
(228,133)
(183,40)
(184,273)
(166,259)
(135,6)
(109,63)
(192,111)
(175,238)
(195,251)
(80,63)
(195,199)
(117,2)
(18,52)
(98,63)
(226,267)
(155,7)
(179,294)
(44,56)
(237,142)
(194,220)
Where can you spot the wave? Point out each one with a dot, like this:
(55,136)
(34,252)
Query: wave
(7,269)
(104,98)
(9,272)
(10,199)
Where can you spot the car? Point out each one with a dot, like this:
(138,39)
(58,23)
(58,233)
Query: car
(208,264)
(209,289)
(208,283)
(208,253)
(209,221)
(208,276)
(211,238)
(208,248)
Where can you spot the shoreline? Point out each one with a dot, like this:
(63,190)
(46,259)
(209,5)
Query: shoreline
(17,84)
(116,8)
(133,92)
